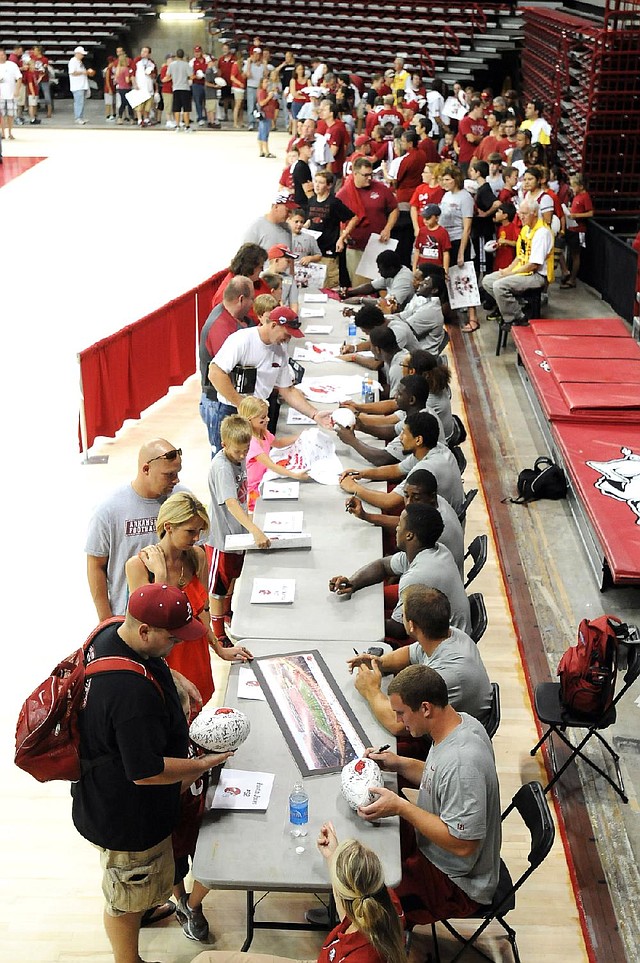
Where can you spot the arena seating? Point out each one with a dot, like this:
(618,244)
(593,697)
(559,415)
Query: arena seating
(438,37)
(579,373)
(586,73)
(58,27)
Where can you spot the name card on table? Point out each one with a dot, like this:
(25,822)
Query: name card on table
(273,591)
(245,542)
(280,489)
(283,522)
(240,789)
(248,685)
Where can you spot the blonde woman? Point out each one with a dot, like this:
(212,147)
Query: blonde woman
(371,918)
(178,560)
(256,411)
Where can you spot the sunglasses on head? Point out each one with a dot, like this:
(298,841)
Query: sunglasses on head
(170,455)
(295,323)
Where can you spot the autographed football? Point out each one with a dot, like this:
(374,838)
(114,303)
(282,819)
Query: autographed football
(343,418)
(357,779)
(219,730)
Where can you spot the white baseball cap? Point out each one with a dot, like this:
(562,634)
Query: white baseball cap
(80,50)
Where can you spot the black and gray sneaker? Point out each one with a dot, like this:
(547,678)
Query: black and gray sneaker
(193,921)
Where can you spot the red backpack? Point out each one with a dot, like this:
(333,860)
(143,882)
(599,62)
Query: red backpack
(588,670)
(47,734)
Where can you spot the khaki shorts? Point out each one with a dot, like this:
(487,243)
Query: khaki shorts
(135,882)
(33,100)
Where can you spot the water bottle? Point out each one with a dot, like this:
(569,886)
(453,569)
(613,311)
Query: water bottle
(367,391)
(298,810)
(352,331)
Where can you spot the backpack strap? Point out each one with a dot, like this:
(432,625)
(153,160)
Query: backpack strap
(119,663)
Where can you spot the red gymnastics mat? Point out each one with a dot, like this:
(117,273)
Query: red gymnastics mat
(582,327)
(605,348)
(592,371)
(605,470)
(12,167)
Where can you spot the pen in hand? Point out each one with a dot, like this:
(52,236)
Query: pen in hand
(383,748)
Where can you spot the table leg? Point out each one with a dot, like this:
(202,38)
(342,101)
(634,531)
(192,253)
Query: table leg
(250,912)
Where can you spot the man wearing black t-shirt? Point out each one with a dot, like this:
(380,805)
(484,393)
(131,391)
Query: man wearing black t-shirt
(133,744)
(326,213)
(301,173)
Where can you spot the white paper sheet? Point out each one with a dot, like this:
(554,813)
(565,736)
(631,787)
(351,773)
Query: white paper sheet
(310,233)
(463,286)
(367,267)
(275,490)
(317,353)
(283,522)
(296,417)
(327,471)
(318,329)
(239,789)
(315,297)
(248,685)
(315,311)
(311,275)
(273,591)
(331,390)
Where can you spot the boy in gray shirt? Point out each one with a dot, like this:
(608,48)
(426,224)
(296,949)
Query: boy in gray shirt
(228,513)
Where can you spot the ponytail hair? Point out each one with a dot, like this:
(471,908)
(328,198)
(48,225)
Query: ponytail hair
(357,878)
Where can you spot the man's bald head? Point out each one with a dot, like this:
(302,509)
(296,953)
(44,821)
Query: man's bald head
(159,464)
(153,449)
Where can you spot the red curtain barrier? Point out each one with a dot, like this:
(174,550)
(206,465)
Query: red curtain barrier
(131,369)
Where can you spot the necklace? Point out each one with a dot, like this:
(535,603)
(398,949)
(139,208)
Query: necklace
(182,580)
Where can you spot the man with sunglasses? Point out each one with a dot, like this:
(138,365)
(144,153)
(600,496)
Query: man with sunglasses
(376,208)
(262,353)
(125,523)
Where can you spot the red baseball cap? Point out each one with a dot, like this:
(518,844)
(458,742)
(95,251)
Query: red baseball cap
(302,142)
(287,319)
(281,250)
(197,49)
(287,199)
(166,607)
(362,140)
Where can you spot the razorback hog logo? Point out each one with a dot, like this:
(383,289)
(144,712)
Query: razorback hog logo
(224,712)
(232,791)
(620,479)
(359,766)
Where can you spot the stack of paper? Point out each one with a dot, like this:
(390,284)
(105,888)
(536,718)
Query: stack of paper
(282,522)
(315,297)
(319,329)
(246,543)
(315,311)
(248,685)
(266,591)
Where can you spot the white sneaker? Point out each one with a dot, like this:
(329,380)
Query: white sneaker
(201,123)
(79,120)
(189,130)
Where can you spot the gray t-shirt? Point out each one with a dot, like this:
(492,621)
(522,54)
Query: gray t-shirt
(179,71)
(404,335)
(441,463)
(425,319)
(441,404)
(304,245)
(120,527)
(266,234)
(226,480)
(452,536)
(394,372)
(399,287)
(457,660)
(460,786)
(436,568)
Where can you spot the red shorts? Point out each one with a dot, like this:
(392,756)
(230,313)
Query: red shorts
(224,567)
(427,894)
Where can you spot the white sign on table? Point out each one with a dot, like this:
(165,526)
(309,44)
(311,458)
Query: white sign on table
(276,490)
(248,685)
(279,591)
(239,789)
(315,297)
(283,522)
(318,329)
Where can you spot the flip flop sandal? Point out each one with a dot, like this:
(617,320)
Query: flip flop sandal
(158,913)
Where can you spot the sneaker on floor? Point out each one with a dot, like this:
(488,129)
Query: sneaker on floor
(202,123)
(193,921)
(189,130)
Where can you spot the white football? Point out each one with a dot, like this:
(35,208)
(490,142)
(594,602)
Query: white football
(219,730)
(219,82)
(491,246)
(343,417)
(357,779)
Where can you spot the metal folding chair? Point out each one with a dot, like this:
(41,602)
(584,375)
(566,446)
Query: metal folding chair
(531,803)
(477,550)
(479,617)
(552,713)
(493,721)
(468,498)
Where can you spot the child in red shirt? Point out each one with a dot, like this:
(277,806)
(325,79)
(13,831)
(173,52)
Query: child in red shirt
(432,246)
(507,230)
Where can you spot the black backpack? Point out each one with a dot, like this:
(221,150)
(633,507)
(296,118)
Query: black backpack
(544,480)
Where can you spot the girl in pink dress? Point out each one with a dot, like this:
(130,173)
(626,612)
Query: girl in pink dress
(256,411)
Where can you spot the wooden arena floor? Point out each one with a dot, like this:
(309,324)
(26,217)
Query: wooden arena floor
(106,262)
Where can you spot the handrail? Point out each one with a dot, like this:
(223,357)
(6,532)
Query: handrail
(426,62)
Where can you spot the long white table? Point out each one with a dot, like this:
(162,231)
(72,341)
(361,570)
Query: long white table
(340,544)
(254,851)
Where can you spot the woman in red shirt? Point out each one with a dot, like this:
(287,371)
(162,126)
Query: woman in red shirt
(371,927)
(238,85)
(429,192)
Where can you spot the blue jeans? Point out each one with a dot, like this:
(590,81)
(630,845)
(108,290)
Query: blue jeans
(264,128)
(252,96)
(197,92)
(78,104)
(212,413)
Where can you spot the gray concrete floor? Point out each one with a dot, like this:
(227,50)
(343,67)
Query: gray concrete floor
(564,591)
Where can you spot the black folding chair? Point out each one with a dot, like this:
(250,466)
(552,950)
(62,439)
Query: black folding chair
(492,723)
(459,456)
(552,713)
(479,617)
(468,498)
(531,803)
(477,550)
